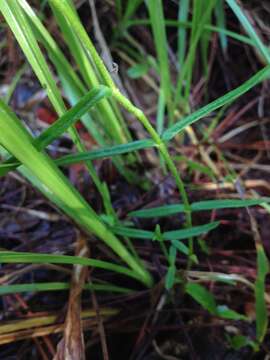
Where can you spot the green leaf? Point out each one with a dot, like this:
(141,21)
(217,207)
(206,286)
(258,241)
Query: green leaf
(226,313)
(77,39)
(170,276)
(57,286)
(25,37)
(208,302)
(133,233)
(260,76)
(167,235)
(183,10)
(99,128)
(155,9)
(261,308)
(131,7)
(202,296)
(237,342)
(160,112)
(168,210)
(206,27)
(181,247)
(138,70)
(106,152)
(12,257)
(109,151)
(62,124)
(249,29)
(187,233)
(221,22)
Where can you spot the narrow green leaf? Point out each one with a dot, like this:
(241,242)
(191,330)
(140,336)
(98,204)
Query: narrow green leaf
(160,113)
(261,308)
(263,50)
(180,247)
(101,130)
(155,8)
(221,22)
(187,233)
(227,313)
(138,70)
(239,341)
(168,210)
(106,152)
(62,124)
(202,296)
(25,37)
(12,257)
(70,117)
(206,27)
(133,233)
(170,276)
(167,235)
(77,38)
(57,286)
(131,8)
(260,76)
(109,151)
(183,10)
(119,8)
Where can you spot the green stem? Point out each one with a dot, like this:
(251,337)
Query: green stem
(160,144)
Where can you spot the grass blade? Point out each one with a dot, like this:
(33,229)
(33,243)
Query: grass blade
(182,33)
(106,152)
(109,151)
(57,286)
(62,124)
(168,210)
(206,27)
(262,49)
(17,22)
(167,235)
(204,297)
(155,9)
(186,233)
(221,23)
(260,306)
(131,7)
(170,276)
(160,113)
(9,257)
(112,125)
(260,76)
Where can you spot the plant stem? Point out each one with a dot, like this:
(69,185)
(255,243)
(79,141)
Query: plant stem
(162,147)
(65,8)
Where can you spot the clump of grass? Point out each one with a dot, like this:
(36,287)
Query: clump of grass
(97,102)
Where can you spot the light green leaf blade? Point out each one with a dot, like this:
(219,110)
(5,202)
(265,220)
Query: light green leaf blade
(260,306)
(262,49)
(168,210)
(179,126)
(62,124)
(57,286)
(202,296)
(12,257)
